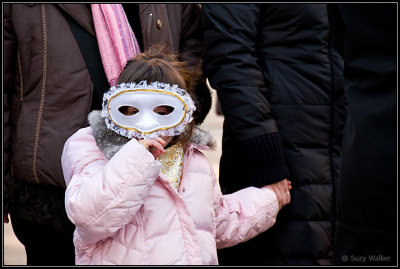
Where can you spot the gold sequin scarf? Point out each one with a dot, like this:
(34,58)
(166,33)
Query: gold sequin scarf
(172,161)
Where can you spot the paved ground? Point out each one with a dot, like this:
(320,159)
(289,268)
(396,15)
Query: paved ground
(14,251)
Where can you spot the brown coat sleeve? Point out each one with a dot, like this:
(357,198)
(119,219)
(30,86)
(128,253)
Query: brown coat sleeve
(10,61)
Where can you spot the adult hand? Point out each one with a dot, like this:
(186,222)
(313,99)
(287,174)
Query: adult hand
(282,190)
(155,146)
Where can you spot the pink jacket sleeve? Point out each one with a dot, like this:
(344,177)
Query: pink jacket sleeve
(104,195)
(244,214)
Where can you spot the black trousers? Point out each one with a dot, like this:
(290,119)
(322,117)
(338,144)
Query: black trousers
(44,245)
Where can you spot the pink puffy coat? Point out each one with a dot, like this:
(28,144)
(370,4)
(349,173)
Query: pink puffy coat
(126,212)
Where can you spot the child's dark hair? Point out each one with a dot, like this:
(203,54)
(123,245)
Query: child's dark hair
(159,64)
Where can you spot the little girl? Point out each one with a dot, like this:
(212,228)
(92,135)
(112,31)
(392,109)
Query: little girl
(140,191)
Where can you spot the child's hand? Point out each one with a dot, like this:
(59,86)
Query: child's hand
(155,146)
(281,190)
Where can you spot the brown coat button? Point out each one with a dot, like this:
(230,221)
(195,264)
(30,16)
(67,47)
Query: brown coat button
(159,24)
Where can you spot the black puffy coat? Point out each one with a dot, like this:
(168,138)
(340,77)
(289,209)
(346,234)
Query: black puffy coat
(279,82)
(367,203)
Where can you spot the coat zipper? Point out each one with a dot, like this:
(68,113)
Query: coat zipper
(21,92)
(181,187)
(39,120)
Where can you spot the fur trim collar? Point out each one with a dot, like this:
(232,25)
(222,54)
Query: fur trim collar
(110,142)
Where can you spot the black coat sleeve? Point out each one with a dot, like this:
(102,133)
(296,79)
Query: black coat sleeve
(191,51)
(250,131)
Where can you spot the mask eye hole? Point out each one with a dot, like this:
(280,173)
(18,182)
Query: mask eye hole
(163,110)
(128,110)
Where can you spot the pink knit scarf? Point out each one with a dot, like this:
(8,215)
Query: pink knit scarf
(116,40)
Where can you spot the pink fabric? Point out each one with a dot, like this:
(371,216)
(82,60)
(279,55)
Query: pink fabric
(127,213)
(116,40)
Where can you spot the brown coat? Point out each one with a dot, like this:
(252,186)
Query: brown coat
(47,87)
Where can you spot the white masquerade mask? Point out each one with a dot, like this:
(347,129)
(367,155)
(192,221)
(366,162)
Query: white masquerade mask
(147,111)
